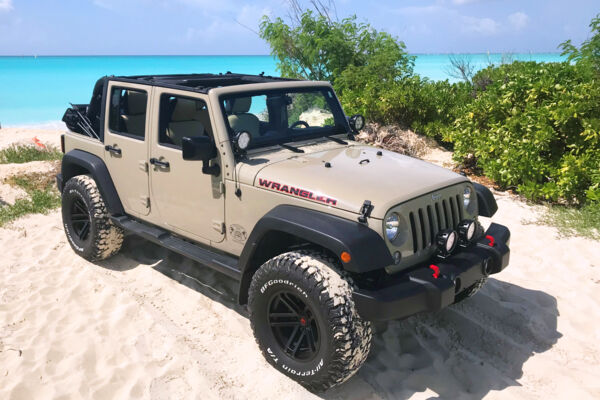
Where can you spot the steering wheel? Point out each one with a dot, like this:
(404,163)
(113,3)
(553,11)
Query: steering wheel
(306,125)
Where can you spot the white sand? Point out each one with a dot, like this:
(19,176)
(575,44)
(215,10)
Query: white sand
(124,329)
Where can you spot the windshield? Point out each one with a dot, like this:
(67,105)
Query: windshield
(276,117)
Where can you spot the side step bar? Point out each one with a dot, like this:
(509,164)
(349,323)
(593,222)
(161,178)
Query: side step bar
(221,262)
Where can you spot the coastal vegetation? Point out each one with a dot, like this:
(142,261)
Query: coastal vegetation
(42,195)
(22,153)
(529,126)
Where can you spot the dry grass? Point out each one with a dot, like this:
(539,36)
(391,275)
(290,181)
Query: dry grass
(394,138)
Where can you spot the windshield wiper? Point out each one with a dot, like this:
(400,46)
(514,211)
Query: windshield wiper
(337,140)
(291,148)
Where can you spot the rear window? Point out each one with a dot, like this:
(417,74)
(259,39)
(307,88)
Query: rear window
(127,114)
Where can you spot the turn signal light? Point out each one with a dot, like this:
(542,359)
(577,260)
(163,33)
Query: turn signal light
(345,257)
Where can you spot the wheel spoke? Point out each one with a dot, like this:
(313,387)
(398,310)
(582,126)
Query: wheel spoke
(284,323)
(292,336)
(283,315)
(312,342)
(79,218)
(84,230)
(297,345)
(80,207)
(288,304)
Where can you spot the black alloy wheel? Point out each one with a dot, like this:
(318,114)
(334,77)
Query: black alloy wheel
(294,326)
(80,219)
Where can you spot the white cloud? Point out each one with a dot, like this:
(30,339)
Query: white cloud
(6,5)
(484,26)
(244,22)
(518,20)
(416,10)
(461,2)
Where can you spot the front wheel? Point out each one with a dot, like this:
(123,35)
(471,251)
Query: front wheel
(304,320)
(470,291)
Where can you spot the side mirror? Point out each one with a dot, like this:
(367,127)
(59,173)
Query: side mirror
(200,148)
(357,122)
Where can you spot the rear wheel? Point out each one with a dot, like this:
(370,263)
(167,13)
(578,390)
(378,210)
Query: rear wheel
(87,225)
(304,319)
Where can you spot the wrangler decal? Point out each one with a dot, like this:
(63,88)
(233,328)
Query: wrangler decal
(307,194)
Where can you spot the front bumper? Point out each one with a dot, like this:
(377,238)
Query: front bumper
(418,290)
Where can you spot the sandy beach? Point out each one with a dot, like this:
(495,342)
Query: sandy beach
(150,324)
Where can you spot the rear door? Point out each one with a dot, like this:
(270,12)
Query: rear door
(187,201)
(126,144)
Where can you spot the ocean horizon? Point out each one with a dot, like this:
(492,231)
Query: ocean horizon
(36,90)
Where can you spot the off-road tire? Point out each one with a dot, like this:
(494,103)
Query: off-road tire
(470,291)
(345,339)
(103,239)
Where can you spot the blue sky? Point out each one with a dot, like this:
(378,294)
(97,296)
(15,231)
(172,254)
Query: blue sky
(79,27)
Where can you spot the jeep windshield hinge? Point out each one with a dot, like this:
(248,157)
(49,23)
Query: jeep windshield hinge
(365,211)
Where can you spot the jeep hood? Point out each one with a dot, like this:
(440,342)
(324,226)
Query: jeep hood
(344,177)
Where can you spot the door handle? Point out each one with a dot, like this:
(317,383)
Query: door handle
(160,164)
(113,149)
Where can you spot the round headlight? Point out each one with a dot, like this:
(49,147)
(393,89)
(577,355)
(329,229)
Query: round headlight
(242,140)
(467,196)
(446,241)
(392,223)
(466,231)
(451,241)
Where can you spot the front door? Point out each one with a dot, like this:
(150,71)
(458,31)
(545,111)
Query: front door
(184,199)
(126,144)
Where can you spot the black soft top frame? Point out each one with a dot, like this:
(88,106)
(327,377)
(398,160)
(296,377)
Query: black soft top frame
(198,82)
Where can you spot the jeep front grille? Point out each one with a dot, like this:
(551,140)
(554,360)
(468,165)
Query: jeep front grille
(426,222)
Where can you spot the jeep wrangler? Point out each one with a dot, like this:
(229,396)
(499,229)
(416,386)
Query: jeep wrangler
(261,178)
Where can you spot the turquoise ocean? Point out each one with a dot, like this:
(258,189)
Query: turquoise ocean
(37,90)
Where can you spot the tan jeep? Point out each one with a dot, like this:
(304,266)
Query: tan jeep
(261,179)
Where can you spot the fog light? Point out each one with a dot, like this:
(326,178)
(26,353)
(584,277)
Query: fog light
(466,231)
(446,241)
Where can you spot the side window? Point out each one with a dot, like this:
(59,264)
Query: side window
(182,117)
(127,114)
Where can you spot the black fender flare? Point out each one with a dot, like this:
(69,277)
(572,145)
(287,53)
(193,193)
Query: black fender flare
(485,200)
(78,162)
(367,248)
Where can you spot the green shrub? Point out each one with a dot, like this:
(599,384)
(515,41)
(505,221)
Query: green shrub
(534,126)
(22,153)
(413,102)
(321,49)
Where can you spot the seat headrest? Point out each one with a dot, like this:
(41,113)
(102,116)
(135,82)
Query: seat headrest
(136,102)
(185,110)
(241,105)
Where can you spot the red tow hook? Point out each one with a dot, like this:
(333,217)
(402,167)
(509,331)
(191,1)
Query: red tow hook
(491,239)
(436,270)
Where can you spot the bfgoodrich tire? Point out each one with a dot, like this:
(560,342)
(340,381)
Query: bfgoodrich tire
(87,225)
(305,322)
